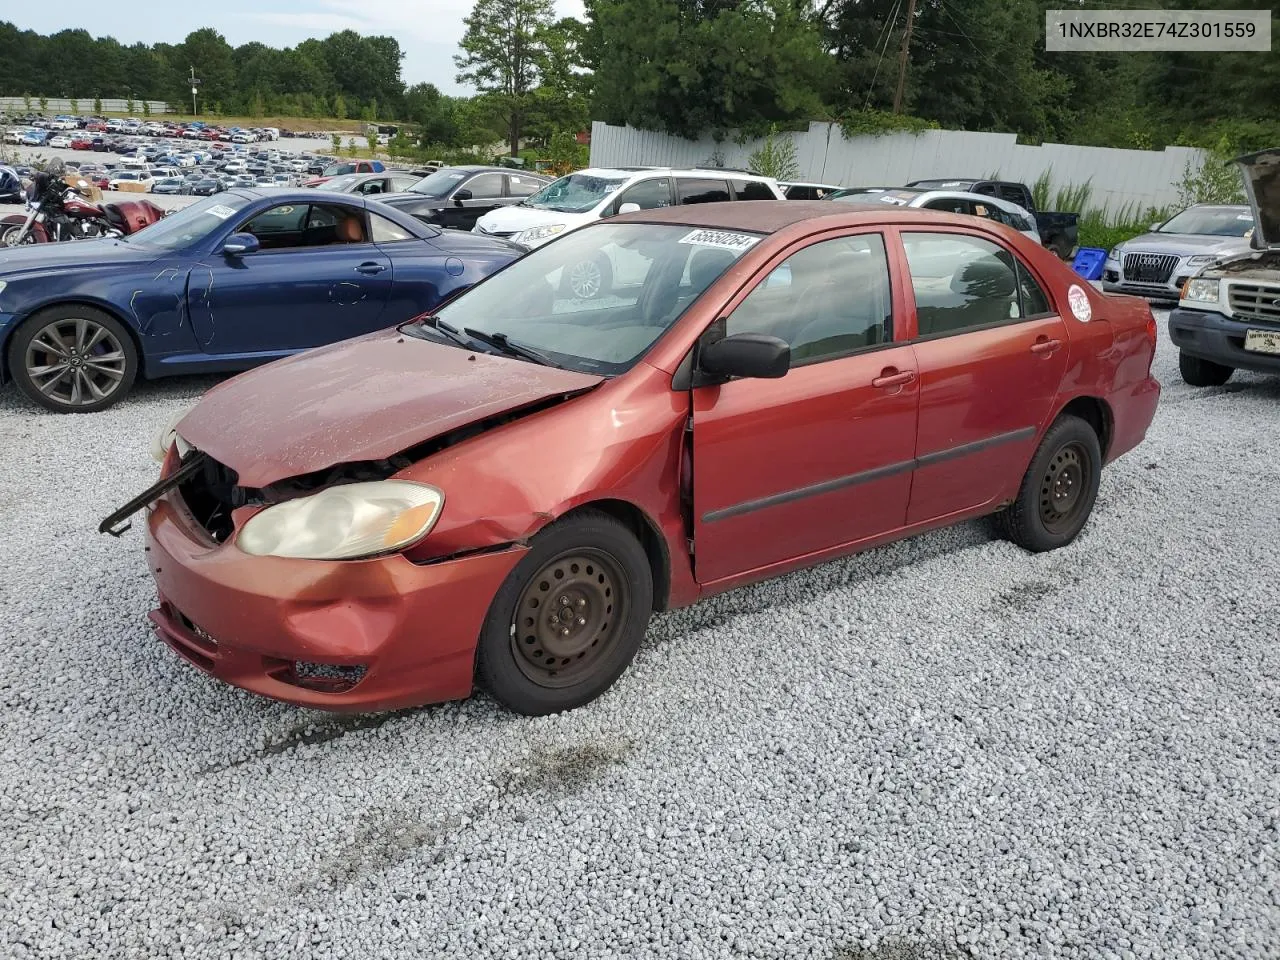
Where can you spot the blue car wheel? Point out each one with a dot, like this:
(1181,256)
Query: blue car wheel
(73,359)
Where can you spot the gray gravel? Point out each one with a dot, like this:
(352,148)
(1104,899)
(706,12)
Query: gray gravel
(944,748)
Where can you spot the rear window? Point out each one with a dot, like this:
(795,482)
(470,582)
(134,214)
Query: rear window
(752,190)
(702,191)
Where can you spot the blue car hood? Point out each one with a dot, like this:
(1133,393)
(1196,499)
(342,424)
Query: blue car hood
(72,255)
(460,243)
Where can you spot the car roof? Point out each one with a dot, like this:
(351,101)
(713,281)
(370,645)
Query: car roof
(772,216)
(627,173)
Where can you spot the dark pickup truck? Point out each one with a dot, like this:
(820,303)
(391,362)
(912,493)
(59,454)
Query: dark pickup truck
(1058,231)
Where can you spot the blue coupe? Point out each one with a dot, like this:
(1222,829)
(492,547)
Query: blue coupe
(232,281)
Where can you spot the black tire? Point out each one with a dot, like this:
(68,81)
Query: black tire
(535,658)
(588,279)
(92,379)
(1202,373)
(1058,491)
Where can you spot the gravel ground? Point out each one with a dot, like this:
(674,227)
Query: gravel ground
(944,748)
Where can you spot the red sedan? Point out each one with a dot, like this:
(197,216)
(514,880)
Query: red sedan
(81,143)
(504,492)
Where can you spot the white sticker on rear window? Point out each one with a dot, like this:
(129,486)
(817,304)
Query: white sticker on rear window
(952,183)
(1247,217)
(723,239)
(889,198)
(220,211)
(1079,301)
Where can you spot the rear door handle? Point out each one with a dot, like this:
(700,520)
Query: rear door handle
(892,377)
(1045,346)
(370,268)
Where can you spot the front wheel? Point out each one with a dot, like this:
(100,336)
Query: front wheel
(569,618)
(1058,489)
(11,235)
(1202,373)
(73,359)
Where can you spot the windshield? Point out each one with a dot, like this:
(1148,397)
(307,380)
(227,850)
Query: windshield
(334,169)
(1211,222)
(576,193)
(189,224)
(596,299)
(338,184)
(438,184)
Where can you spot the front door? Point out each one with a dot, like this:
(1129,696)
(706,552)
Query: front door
(317,279)
(823,456)
(991,353)
(473,199)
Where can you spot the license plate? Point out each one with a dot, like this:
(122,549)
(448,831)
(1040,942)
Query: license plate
(1262,341)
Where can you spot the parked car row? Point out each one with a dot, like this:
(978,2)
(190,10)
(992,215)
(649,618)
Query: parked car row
(193,130)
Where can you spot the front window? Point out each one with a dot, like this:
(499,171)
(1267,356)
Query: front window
(576,193)
(189,224)
(1211,222)
(598,298)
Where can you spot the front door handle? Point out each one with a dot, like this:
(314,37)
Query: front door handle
(370,268)
(1045,346)
(893,377)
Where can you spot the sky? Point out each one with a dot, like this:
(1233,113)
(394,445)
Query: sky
(428,30)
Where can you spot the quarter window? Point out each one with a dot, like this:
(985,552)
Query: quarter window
(962,282)
(523,186)
(827,300)
(383,230)
(755,190)
(702,191)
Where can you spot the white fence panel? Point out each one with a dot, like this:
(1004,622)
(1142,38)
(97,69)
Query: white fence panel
(84,105)
(1140,178)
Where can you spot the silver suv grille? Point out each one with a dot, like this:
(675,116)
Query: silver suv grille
(1149,267)
(1251,301)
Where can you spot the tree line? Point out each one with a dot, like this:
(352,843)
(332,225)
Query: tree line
(691,67)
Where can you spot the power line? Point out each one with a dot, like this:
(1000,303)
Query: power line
(884,46)
(902,57)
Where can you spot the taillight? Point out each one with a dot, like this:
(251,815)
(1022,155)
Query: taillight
(1151,328)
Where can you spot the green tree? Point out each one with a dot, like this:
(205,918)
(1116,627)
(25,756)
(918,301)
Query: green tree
(502,50)
(97,106)
(146,108)
(44,104)
(1215,179)
(339,107)
(256,106)
(336,140)
(26,101)
(129,104)
(75,105)
(776,157)
(371,138)
(351,146)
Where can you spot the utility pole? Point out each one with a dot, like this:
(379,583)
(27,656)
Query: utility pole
(902,57)
(196,83)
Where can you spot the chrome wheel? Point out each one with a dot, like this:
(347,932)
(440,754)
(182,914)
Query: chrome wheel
(9,238)
(568,616)
(75,362)
(586,279)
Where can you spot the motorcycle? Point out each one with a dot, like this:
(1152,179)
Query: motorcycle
(57,212)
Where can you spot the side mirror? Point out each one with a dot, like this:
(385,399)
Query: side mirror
(629,208)
(753,355)
(1155,228)
(461,196)
(239,244)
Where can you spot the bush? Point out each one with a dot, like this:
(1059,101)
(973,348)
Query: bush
(336,140)
(1214,180)
(776,157)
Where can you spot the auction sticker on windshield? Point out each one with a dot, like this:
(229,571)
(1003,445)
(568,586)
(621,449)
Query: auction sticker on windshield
(220,211)
(723,239)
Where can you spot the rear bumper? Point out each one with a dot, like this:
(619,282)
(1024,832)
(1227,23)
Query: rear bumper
(389,633)
(1212,336)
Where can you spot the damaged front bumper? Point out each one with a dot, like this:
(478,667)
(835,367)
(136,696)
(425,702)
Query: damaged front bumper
(365,635)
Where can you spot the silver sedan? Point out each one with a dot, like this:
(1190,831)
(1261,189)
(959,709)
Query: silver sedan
(1158,263)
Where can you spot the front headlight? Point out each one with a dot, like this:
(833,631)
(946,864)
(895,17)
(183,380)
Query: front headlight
(534,234)
(347,522)
(1200,291)
(167,435)
(1115,253)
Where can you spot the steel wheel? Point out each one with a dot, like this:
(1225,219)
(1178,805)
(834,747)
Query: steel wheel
(75,361)
(568,617)
(586,279)
(1063,488)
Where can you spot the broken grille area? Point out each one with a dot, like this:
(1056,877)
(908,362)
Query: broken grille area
(211,493)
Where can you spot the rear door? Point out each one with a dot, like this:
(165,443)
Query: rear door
(991,352)
(788,468)
(473,198)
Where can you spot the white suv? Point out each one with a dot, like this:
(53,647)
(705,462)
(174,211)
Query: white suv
(597,192)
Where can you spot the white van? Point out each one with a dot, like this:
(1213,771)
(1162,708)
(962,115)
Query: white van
(593,194)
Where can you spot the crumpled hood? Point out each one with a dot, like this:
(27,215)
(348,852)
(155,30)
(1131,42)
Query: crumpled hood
(363,399)
(1262,185)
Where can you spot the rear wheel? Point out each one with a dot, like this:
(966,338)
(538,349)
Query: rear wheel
(1058,490)
(569,618)
(73,359)
(1202,373)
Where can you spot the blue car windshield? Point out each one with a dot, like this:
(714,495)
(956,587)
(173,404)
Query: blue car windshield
(191,223)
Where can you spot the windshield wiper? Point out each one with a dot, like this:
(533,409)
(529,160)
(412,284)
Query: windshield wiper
(435,323)
(504,343)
